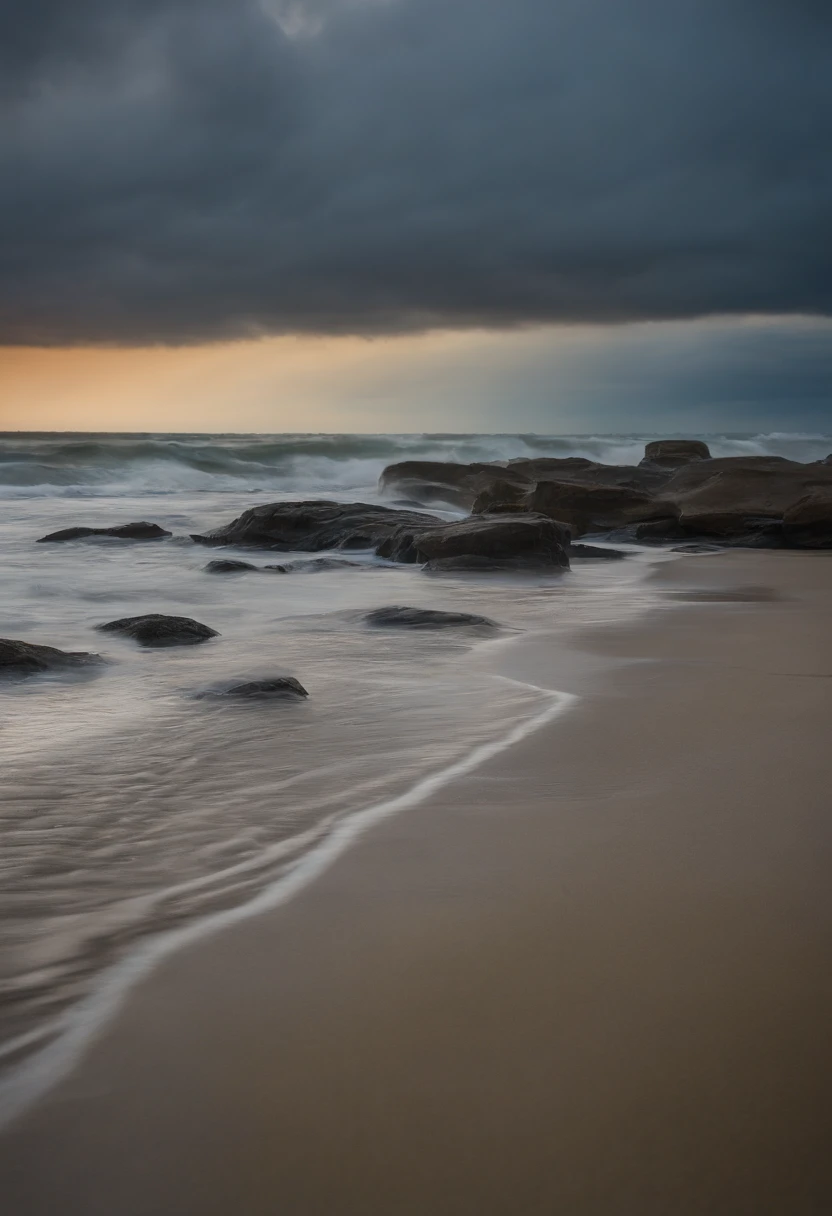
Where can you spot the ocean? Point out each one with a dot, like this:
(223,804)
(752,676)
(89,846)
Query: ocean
(137,814)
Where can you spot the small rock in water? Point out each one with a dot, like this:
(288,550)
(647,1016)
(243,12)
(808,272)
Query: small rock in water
(27,658)
(155,629)
(424,618)
(138,531)
(227,565)
(695,547)
(274,687)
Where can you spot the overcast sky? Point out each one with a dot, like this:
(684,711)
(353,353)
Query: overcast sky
(202,171)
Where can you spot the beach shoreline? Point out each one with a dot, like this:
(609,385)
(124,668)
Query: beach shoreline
(587,976)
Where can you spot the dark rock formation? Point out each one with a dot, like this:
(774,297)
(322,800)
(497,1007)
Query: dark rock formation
(396,617)
(433,481)
(589,472)
(594,551)
(592,508)
(227,565)
(155,629)
(271,688)
(139,531)
(673,453)
(316,525)
(807,524)
(28,658)
(527,537)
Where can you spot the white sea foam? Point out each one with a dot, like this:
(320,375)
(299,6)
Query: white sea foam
(110,465)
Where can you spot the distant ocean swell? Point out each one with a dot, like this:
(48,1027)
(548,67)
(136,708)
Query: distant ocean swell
(93,465)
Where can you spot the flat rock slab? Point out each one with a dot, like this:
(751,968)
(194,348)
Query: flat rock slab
(272,688)
(27,658)
(139,531)
(396,617)
(155,629)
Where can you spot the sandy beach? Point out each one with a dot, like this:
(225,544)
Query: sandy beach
(590,978)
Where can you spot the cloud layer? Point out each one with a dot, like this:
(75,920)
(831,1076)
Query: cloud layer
(186,170)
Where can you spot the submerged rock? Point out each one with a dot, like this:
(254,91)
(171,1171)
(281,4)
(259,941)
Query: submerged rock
(272,687)
(396,617)
(227,565)
(28,658)
(155,629)
(138,531)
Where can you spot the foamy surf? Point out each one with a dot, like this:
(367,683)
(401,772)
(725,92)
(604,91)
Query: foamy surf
(22,1086)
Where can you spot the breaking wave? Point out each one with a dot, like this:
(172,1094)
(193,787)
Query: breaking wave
(92,465)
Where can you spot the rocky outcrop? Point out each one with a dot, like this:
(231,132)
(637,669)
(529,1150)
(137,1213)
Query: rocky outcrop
(317,525)
(807,524)
(396,617)
(592,508)
(429,481)
(155,629)
(138,531)
(271,688)
(673,453)
(29,658)
(533,539)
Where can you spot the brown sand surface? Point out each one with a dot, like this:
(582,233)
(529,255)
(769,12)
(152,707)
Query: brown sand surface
(590,979)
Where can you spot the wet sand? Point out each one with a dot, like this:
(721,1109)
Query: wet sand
(591,978)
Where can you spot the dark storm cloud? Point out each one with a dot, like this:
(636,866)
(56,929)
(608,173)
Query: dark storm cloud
(180,170)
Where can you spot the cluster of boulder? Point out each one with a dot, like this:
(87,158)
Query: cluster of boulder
(677,492)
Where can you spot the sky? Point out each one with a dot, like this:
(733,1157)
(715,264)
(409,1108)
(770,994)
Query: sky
(549,215)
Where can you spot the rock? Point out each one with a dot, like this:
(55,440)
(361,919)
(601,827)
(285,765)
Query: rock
(397,617)
(526,537)
(742,485)
(589,472)
(272,688)
(227,565)
(316,525)
(807,524)
(733,526)
(500,497)
(155,629)
(316,565)
(659,531)
(28,658)
(139,531)
(594,551)
(592,508)
(432,481)
(673,453)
